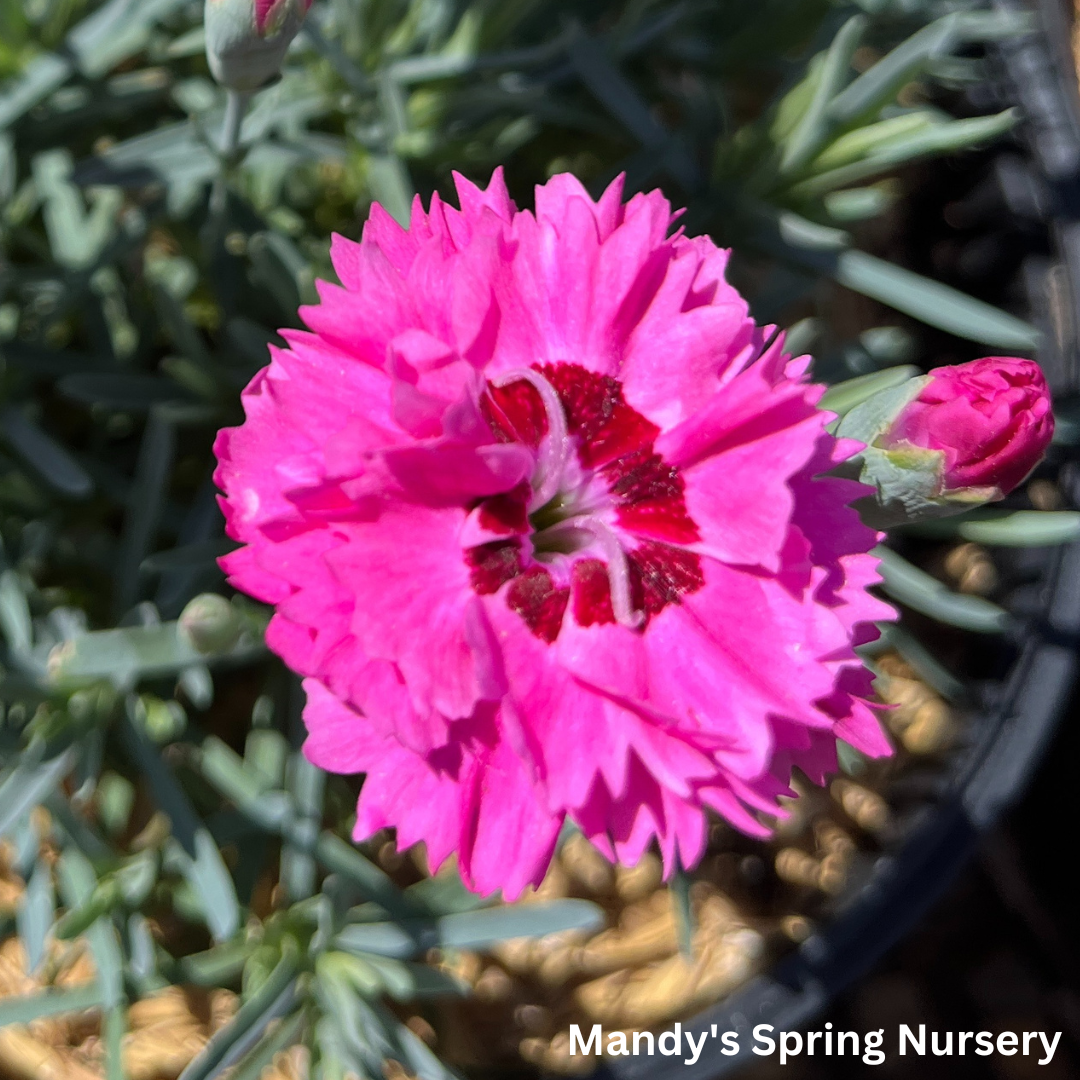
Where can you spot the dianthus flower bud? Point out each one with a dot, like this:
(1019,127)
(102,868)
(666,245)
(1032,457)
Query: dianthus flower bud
(210,623)
(944,442)
(246,40)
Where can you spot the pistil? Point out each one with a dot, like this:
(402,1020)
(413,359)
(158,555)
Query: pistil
(554,448)
(605,517)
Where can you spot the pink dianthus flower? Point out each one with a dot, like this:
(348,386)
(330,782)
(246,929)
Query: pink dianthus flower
(542,515)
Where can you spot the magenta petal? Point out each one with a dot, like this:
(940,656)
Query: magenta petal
(496,198)
(513,834)
(451,475)
(426,632)
(723,495)
(338,739)
(400,788)
(554,710)
(547,528)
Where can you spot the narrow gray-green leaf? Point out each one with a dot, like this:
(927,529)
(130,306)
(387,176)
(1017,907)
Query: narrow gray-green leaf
(287,1034)
(684,913)
(859,204)
(273,810)
(306,785)
(385,939)
(48,458)
(445,895)
(346,1034)
(391,185)
(849,759)
(342,858)
(24,1010)
(921,592)
(1023,528)
(415,1055)
(813,129)
(879,84)
(217,966)
(142,950)
(115,31)
(1008,528)
(475,929)
(926,665)
(35,914)
(15,622)
(31,781)
(77,883)
(215,1053)
(130,653)
(623,100)
(41,76)
(9,168)
(935,304)
(470,929)
(934,139)
(145,503)
(202,864)
(114,1027)
(282,267)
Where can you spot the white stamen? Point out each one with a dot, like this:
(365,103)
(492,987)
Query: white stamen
(553,450)
(618,570)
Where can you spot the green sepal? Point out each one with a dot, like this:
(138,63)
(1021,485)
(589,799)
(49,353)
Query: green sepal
(908,480)
(870,419)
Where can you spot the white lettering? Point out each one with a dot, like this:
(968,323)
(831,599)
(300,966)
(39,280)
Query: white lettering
(787,1051)
(872,1055)
(946,1050)
(676,1038)
(918,1045)
(695,1050)
(761,1036)
(1050,1047)
(616,1044)
(595,1035)
(851,1037)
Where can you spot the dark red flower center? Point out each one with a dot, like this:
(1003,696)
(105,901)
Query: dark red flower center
(601,526)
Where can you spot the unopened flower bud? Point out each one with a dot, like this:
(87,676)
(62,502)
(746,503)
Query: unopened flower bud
(944,442)
(246,40)
(162,721)
(210,623)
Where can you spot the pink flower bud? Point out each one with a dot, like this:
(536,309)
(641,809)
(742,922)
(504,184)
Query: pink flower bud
(943,443)
(991,418)
(246,40)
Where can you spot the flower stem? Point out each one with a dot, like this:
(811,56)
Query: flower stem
(236,102)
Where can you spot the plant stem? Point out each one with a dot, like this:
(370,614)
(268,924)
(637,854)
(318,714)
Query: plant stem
(236,103)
